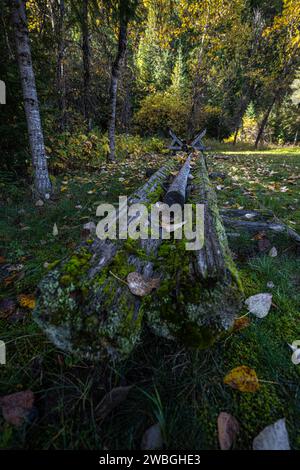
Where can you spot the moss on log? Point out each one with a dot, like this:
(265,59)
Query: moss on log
(86,307)
(201,293)
(82,305)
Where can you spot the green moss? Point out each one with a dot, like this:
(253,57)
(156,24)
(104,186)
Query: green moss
(156,195)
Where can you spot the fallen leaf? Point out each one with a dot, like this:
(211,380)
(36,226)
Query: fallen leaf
(243,379)
(17,407)
(273,437)
(55,230)
(273,252)
(90,227)
(152,438)
(26,300)
(296,357)
(228,428)
(39,203)
(140,286)
(241,323)
(110,401)
(259,235)
(259,304)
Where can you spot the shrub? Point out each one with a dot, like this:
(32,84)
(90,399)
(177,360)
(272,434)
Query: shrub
(160,111)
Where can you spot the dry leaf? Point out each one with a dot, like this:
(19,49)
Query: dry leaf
(228,428)
(273,252)
(140,286)
(296,357)
(273,437)
(241,323)
(243,379)
(17,407)
(152,438)
(55,230)
(259,235)
(27,300)
(110,401)
(259,304)
(39,203)
(90,227)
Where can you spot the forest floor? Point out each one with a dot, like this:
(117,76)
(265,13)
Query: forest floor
(182,390)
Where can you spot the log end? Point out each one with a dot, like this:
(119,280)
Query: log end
(86,312)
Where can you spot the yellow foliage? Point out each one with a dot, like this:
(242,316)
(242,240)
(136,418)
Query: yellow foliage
(243,379)
(27,301)
(162,110)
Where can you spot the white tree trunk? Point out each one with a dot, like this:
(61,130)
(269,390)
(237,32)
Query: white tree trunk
(36,139)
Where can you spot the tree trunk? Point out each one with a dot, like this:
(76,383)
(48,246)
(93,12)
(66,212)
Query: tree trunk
(122,45)
(36,138)
(60,68)
(198,82)
(86,64)
(264,122)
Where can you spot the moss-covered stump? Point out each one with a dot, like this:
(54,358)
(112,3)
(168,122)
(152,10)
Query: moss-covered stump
(83,306)
(200,294)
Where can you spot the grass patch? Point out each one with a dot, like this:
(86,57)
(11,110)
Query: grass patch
(181,389)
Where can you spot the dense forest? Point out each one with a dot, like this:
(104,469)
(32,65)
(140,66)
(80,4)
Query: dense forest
(141,67)
(139,343)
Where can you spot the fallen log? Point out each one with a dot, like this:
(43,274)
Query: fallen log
(176,193)
(200,293)
(83,306)
(261,226)
(86,306)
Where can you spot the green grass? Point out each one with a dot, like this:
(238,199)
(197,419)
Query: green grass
(183,390)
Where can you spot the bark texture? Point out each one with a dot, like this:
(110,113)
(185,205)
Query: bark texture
(35,132)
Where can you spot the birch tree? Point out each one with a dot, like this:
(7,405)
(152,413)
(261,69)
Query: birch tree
(126,11)
(35,132)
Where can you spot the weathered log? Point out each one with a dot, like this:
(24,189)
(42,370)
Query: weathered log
(260,226)
(82,306)
(176,193)
(85,305)
(200,293)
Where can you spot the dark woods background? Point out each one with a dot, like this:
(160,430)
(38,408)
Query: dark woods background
(224,65)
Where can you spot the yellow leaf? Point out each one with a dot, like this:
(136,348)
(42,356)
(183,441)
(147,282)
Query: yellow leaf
(243,379)
(27,300)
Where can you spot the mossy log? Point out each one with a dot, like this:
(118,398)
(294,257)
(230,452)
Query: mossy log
(257,221)
(200,294)
(85,305)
